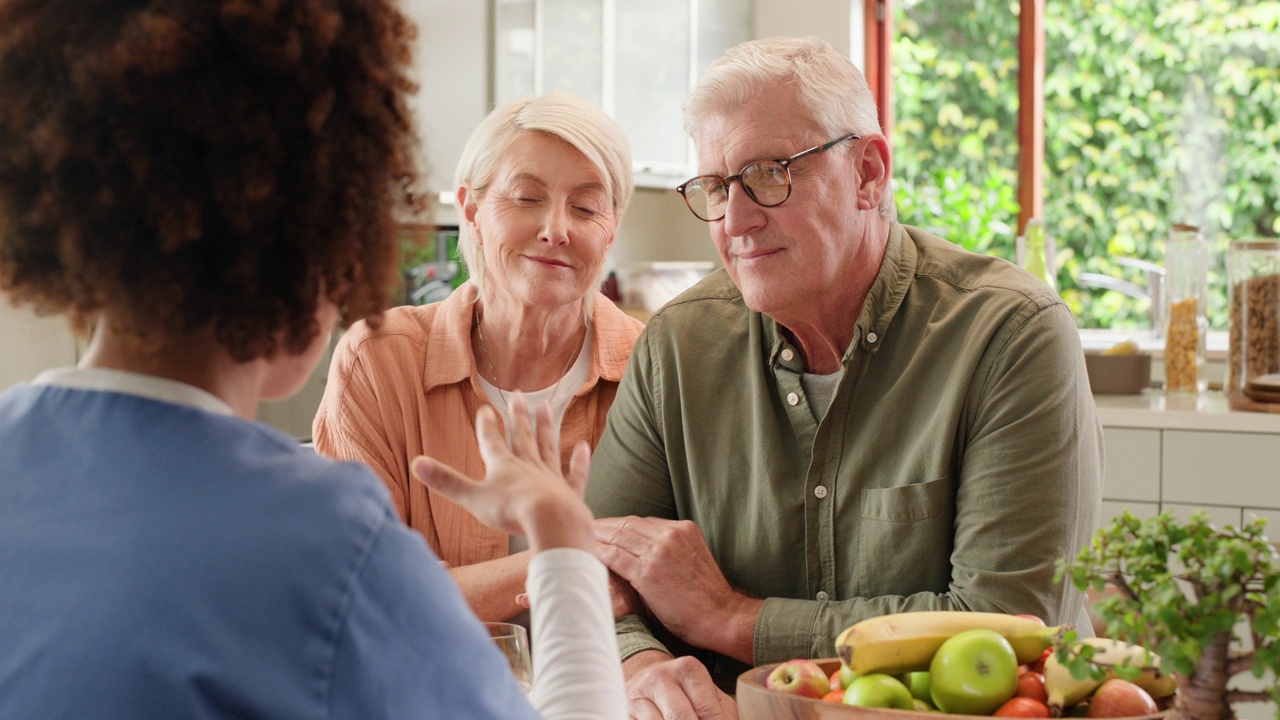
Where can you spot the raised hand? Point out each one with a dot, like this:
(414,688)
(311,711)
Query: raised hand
(523,491)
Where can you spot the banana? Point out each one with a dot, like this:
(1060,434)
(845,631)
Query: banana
(1064,690)
(1125,347)
(906,642)
(1113,653)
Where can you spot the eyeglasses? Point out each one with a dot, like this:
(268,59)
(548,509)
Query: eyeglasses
(767,182)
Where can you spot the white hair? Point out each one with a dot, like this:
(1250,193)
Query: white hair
(567,117)
(830,88)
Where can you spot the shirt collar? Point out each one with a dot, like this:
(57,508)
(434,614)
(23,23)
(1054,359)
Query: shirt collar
(449,337)
(888,290)
(137,384)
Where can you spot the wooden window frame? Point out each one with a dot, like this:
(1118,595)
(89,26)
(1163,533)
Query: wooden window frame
(879,71)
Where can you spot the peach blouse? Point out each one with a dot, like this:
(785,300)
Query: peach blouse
(411,388)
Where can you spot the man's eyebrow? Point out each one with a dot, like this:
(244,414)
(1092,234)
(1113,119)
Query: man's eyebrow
(738,169)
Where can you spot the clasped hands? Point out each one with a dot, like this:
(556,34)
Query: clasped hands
(663,569)
(675,580)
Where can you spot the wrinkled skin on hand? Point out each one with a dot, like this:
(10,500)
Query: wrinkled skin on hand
(663,688)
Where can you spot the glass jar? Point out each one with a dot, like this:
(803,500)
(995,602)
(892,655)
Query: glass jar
(1253,290)
(1186,260)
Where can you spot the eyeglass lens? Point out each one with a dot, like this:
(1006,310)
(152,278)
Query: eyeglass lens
(765,181)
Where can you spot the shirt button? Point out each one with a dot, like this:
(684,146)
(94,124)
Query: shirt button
(820,491)
(871,337)
(822,595)
(788,354)
(793,398)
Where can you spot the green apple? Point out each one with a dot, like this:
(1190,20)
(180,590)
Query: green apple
(841,678)
(973,673)
(918,682)
(878,690)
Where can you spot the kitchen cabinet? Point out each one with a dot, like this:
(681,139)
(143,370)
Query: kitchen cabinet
(1232,476)
(1221,468)
(1183,453)
(1188,453)
(634,60)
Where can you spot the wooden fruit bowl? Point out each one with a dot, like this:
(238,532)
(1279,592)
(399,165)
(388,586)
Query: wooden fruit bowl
(756,702)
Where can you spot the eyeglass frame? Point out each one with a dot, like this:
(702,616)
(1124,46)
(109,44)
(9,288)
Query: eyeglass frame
(786,167)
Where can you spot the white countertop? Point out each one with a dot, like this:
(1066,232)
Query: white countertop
(1157,410)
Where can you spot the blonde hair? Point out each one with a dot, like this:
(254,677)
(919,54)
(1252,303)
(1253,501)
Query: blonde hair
(562,115)
(831,90)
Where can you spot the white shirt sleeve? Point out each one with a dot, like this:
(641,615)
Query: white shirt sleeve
(576,670)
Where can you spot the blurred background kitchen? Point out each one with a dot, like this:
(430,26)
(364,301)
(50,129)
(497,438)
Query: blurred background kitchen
(1140,143)
(1134,117)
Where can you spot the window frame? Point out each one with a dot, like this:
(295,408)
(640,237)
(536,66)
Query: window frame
(1031,53)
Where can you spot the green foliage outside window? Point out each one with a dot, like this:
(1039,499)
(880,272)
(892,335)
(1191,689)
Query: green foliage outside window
(1157,112)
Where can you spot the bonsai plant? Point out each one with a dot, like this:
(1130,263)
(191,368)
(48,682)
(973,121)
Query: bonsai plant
(1188,591)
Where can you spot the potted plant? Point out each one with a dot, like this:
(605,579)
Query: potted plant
(1205,599)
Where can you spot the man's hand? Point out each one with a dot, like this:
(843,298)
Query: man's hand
(661,688)
(669,565)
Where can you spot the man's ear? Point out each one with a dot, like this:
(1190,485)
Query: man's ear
(874,170)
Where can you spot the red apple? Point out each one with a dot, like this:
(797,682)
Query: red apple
(1022,707)
(799,677)
(1029,616)
(973,673)
(1037,665)
(1120,698)
(1031,685)
(835,696)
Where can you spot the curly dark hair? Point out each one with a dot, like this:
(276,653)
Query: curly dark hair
(186,164)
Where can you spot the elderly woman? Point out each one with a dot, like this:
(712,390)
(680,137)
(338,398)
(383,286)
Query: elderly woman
(180,174)
(542,185)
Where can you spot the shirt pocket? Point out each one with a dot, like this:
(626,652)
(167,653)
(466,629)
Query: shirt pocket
(905,537)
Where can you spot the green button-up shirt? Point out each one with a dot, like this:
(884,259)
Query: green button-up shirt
(959,459)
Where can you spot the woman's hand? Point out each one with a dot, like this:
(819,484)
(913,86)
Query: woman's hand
(626,601)
(523,491)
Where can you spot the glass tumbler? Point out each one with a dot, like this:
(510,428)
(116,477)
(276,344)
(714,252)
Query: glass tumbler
(1253,291)
(513,641)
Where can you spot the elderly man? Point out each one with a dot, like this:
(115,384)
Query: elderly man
(853,418)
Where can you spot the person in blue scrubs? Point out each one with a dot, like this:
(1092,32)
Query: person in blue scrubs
(209,188)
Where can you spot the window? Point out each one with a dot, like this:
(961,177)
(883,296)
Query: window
(636,60)
(1151,112)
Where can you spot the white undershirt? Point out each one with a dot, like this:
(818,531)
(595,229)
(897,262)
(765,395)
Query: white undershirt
(558,395)
(576,672)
